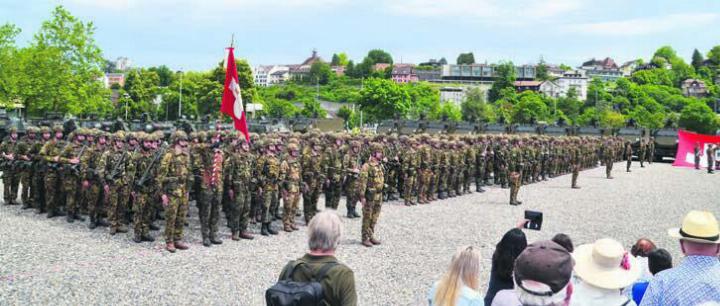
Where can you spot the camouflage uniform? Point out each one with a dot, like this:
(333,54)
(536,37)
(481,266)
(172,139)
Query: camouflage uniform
(332,161)
(11,175)
(90,172)
(70,181)
(608,158)
(371,183)
(118,173)
(174,176)
(291,178)
(49,151)
(24,168)
(209,165)
(313,176)
(144,192)
(628,155)
(515,169)
(576,163)
(269,177)
(425,174)
(352,164)
(240,166)
(37,175)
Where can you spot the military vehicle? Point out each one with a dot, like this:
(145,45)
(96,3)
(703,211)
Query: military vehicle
(666,143)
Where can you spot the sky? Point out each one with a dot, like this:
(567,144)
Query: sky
(192,34)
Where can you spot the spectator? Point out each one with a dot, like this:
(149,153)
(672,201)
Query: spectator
(542,277)
(503,261)
(658,260)
(460,286)
(640,250)
(338,285)
(697,279)
(564,241)
(603,268)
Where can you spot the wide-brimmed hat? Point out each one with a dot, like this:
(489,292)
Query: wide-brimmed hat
(606,264)
(698,226)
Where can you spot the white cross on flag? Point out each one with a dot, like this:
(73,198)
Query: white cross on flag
(232,104)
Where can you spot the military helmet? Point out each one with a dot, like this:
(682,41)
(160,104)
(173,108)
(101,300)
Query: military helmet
(178,136)
(44,130)
(119,135)
(376,147)
(293,147)
(57,128)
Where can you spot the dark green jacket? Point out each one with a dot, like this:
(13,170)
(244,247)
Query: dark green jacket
(338,285)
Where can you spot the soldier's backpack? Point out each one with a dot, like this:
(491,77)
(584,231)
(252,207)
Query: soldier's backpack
(287,292)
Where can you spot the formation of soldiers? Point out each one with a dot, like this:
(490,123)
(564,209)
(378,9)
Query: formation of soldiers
(132,179)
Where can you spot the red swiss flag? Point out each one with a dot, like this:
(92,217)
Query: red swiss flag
(232,104)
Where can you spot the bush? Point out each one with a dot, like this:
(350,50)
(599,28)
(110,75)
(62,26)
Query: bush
(698,117)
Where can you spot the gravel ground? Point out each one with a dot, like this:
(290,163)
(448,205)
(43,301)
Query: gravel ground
(51,262)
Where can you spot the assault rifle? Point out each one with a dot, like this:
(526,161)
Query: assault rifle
(146,175)
(116,168)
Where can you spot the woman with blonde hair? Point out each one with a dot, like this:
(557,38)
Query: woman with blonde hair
(461,283)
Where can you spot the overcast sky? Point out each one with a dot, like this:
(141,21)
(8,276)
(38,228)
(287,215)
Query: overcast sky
(191,34)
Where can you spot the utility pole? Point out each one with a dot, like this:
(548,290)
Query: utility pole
(180,104)
(127,106)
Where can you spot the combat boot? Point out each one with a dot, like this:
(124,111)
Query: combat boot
(350,214)
(170,246)
(113,231)
(181,245)
(504,186)
(69,218)
(102,223)
(215,240)
(264,229)
(270,230)
(147,238)
(122,229)
(408,202)
(137,238)
(77,216)
(206,242)
(294,227)
(288,229)
(246,235)
(374,241)
(367,243)
(92,224)
(234,236)
(575,187)
(443,195)
(154,227)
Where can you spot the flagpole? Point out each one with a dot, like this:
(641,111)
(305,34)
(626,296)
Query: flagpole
(232,46)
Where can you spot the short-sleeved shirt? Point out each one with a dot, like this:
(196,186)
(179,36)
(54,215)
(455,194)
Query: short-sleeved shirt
(695,281)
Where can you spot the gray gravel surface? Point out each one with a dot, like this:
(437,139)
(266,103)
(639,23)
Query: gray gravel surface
(50,262)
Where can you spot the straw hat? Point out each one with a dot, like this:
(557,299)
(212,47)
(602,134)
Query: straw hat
(698,226)
(606,264)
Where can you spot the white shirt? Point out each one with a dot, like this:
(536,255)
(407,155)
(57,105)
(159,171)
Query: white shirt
(588,295)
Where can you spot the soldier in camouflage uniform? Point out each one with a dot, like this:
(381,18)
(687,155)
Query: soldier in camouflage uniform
(11,174)
(469,172)
(145,163)
(50,154)
(269,176)
(175,177)
(425,173)
(515,168)
(93,181)
(409,169)
(291,178)
(628,155)
(352,163)
(608,157)
(575,161)
(371,184)
(313,176)
(651,150)
(26,164)
(38,171)
(436,167)
(332,161)
(239,169)
(209,165)
(501,163)
(117,172)
(71,173)
(642,152)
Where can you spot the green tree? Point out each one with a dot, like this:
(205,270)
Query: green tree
(714,55)
(505,76)
(313,109)
(475,109)
(345,113)
(384,99)
(448,111)
(610,119)
(165,75)
(698,117)
(245,78)
(62,68)
(530,108)
(9,66)
(335,60)
(541,71)
(424,100)
(466,58)
(320,72)
(339,59)
(350,70)
(697,59)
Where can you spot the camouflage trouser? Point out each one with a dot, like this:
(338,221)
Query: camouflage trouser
(209,211)
(468,177)
(291,204)
(310,199)
(141,213)
(575,173)
(479,175)
(457,179)
(52,192)
(392,180)
(37,190)
(91,196)
(515,183)
(641,158)
(434,182)
(25,189)
(240,208)
(371,213)
(116,204)
(502,176)
(70,185)
(351,196)
(608,167)
(10,179)
(424,183)
(489,169)
(409,187)
(332,194)
(443,181)
(175,215)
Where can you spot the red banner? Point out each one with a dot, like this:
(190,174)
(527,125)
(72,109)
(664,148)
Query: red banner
(685,156)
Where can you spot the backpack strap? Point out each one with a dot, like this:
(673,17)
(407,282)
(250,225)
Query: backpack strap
(290,269)
(324,270)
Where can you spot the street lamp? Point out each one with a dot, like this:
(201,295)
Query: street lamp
(127,106)
(180,104)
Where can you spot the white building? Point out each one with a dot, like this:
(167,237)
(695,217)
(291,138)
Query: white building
(270,75)
(561,86)
(123,63)
(455,95)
